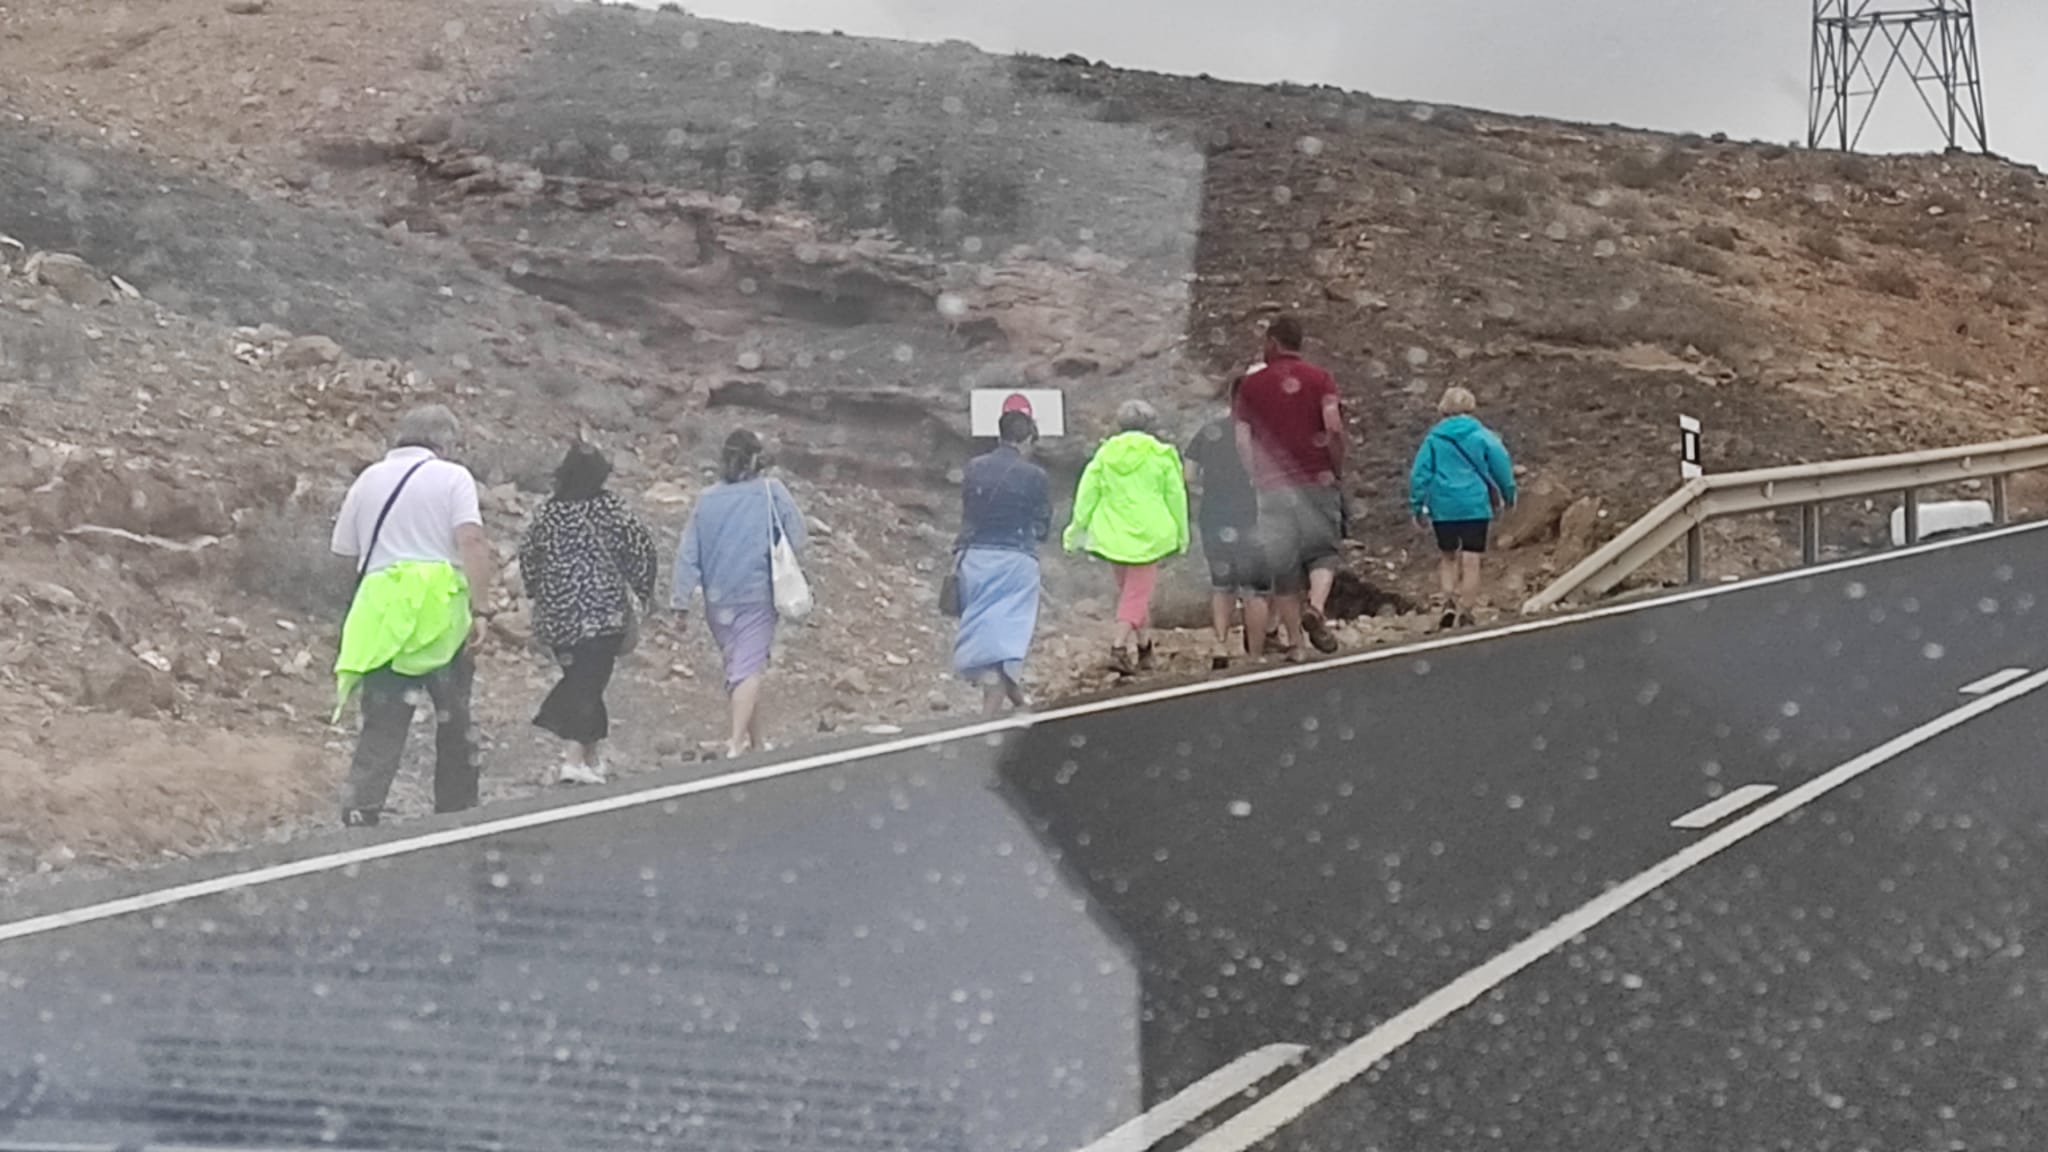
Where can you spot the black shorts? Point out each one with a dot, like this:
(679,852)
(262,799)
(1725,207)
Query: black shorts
(1453,536)
(1237,562)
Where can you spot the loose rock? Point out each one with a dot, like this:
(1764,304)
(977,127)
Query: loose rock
(1578,530)
(1535,515)
(310,352)
(75,281)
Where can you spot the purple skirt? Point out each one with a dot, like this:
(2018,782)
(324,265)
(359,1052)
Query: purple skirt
(745,635)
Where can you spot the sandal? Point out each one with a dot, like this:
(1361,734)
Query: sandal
(1120,660)
(1319,633)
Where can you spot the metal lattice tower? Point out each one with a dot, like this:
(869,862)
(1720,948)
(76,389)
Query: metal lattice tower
(1861,45)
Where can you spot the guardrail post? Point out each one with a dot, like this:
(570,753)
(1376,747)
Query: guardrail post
(1809,533)
(2000,512)
(1695,553)
(1912,515)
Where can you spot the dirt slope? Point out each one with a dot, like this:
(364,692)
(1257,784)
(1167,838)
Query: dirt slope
(655,228)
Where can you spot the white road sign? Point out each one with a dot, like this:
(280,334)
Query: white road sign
(1048,406)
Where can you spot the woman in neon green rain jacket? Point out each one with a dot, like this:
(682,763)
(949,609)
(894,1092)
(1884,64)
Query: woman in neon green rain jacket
(1132,510)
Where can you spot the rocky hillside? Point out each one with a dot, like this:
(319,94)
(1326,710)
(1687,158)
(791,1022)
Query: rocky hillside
(222,282)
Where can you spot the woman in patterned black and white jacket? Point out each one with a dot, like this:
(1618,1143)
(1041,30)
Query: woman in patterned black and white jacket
(584,561)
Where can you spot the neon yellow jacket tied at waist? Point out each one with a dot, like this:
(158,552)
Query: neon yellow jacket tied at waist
(412,618)
(1132,507)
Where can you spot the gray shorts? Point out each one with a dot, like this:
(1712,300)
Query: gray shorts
(1303,530)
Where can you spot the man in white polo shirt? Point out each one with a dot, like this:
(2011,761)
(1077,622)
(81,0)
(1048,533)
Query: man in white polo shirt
(412,524)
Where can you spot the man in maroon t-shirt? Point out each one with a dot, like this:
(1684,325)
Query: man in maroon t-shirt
(1290,431)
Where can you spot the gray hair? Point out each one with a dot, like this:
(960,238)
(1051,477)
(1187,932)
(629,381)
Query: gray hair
(1458,402)
(432,427)
(1137,416)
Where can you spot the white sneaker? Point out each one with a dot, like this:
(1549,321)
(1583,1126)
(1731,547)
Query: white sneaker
(575,773)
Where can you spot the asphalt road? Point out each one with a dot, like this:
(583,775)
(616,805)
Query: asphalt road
(1434,900)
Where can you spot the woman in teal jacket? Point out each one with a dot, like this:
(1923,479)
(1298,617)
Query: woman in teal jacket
(1132,510)
(1462,475)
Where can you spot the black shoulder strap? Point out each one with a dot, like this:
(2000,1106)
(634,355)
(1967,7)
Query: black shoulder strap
(363,568)
(1485,477)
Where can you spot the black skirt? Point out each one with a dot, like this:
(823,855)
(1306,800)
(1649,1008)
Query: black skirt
(575,710)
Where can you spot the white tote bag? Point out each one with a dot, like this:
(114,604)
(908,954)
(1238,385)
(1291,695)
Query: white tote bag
(792,591)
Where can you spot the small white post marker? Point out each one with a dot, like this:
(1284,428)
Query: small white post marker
(1689,463)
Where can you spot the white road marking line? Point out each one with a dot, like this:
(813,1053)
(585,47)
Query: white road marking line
(658,794)
(1714,811)
(1194,1101)
(1993,682)
(1296,1096)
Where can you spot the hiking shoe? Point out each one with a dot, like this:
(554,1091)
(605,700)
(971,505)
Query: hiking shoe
(1219,659)
(1467,620)
(1319,633)
(1145,658)
(575,773)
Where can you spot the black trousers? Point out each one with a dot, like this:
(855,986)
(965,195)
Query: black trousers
(389,701)
(575,710)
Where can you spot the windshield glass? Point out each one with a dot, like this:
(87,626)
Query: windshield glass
(886,576)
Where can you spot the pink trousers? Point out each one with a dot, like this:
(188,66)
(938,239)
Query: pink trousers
(1134,584)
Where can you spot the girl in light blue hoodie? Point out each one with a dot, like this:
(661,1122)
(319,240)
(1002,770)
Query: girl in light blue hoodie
(1462,476)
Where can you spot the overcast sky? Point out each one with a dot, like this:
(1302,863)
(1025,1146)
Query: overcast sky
(1735,66)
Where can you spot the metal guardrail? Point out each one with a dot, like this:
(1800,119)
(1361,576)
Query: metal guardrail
(1806,487)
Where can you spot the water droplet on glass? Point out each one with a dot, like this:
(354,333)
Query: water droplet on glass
(1418,357)
(1934,652)
(904,354)
(1240,808)
(952,305)
(1310,145)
